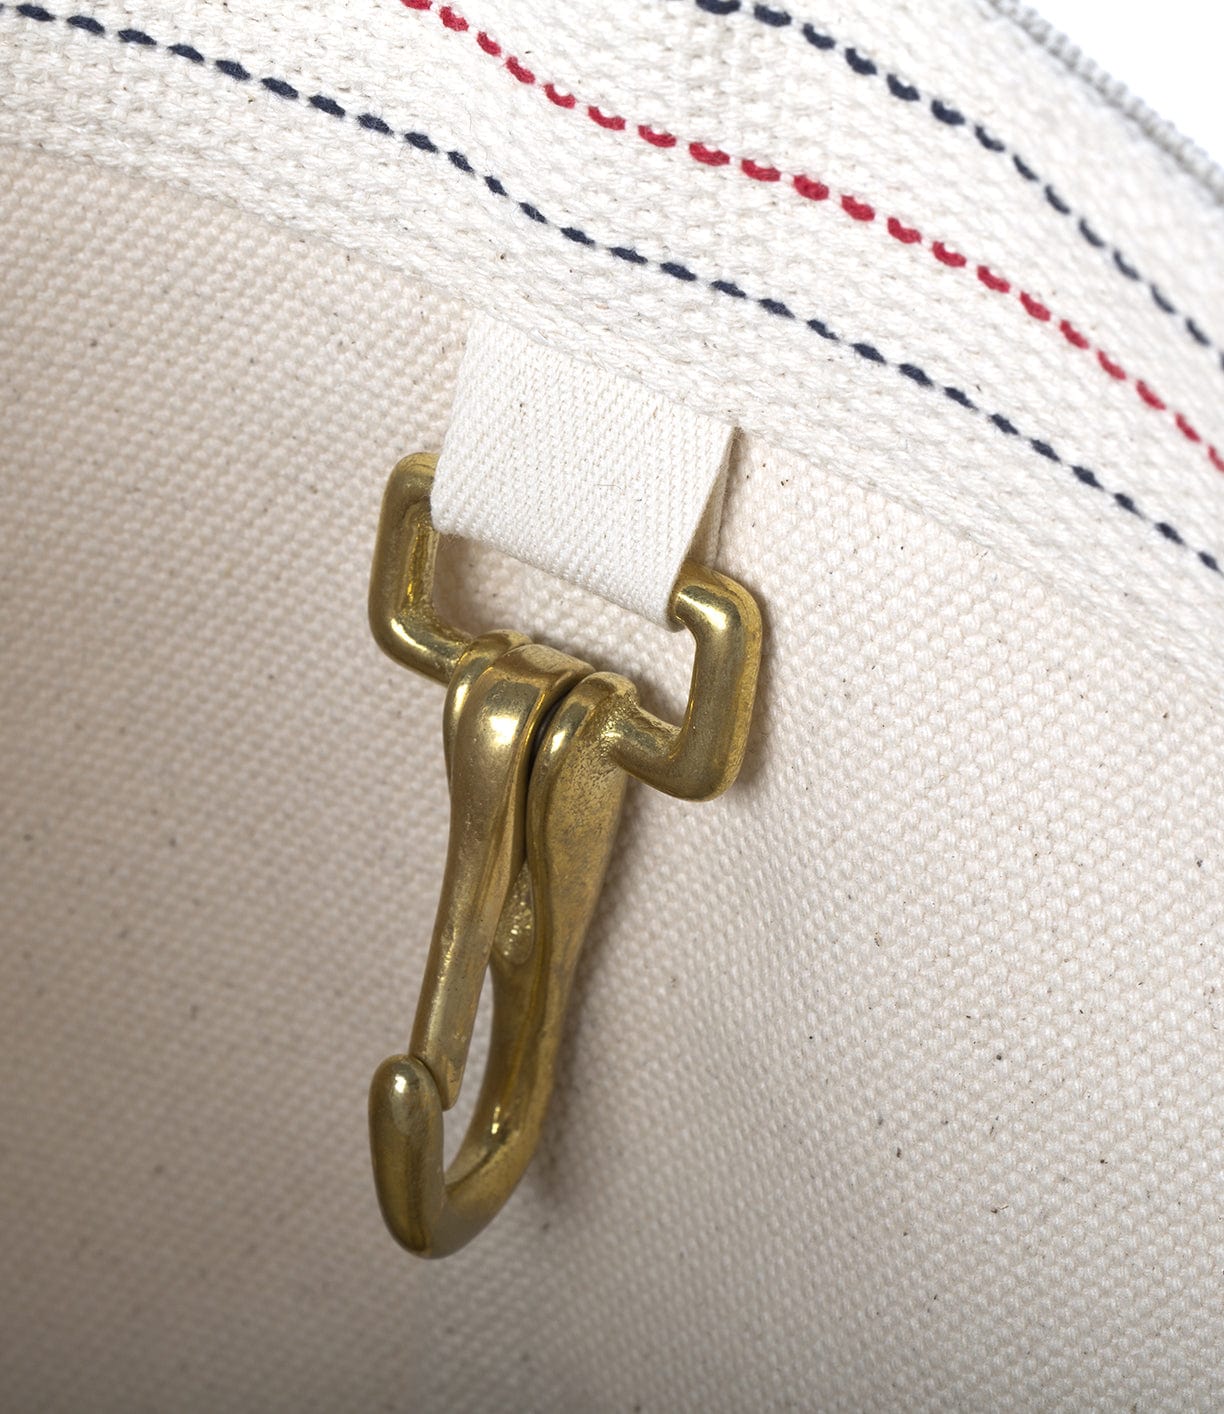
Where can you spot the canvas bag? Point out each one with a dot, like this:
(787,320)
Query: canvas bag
(893,1077)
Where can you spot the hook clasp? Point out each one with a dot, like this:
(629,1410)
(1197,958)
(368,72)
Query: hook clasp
(538,749)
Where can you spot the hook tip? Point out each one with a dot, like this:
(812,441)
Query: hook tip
(406,1148)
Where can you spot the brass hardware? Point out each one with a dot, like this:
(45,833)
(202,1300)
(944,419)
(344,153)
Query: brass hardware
(538,748)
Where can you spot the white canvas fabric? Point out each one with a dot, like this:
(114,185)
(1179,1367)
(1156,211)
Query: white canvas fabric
(903,240)
(893,1078)
(583,474)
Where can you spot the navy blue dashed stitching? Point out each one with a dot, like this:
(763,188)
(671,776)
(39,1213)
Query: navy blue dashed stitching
(1085,230)
(421,142)
(816,38)
(945,113)
(1160,299)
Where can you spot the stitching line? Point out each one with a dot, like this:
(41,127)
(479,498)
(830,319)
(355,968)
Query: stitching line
(951,116)
(857,210)
(423,143)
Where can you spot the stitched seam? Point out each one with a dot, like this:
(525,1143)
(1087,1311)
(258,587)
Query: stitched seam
(856,209)
(421,142)
(949,115)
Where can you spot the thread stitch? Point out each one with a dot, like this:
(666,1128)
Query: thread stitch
(1165,304)
(857,209)
(869,353)
(948,115)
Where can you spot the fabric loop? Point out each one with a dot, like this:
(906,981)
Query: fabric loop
(578,471)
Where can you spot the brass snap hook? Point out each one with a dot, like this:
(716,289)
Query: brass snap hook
(537,747)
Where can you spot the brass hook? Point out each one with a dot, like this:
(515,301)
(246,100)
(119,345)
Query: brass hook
(572,805)
(537,747)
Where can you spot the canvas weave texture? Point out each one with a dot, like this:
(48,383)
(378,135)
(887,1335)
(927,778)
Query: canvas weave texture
(892,1077)
(903,241)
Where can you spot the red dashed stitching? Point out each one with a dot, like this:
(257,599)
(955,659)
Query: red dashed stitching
(759,173)
(814,190)
(656,138)
(809,187)
(605,120)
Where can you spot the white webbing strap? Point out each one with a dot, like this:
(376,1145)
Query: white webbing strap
(578,471)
